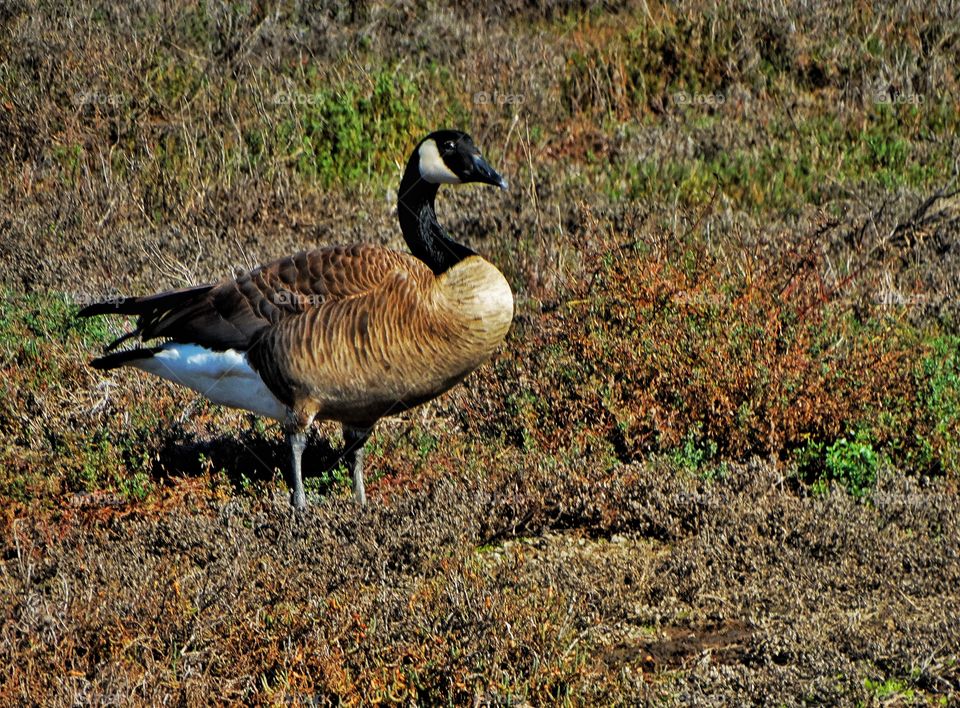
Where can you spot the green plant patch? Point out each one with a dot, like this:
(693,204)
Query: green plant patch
(351,132)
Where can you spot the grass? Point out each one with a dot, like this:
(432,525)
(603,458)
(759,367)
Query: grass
(678,355)
(940,376)
(794,161)
(734,268)
(344,136)
(889,689)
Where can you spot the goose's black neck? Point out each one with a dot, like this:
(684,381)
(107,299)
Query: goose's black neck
(424,235)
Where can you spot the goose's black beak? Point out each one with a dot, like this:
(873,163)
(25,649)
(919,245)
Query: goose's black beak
(482,172)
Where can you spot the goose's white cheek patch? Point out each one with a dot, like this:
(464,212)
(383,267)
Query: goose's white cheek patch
(432,167)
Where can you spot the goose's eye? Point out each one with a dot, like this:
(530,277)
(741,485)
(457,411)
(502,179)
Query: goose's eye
(448,146)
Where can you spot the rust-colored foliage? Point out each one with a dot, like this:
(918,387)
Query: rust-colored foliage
(662,341)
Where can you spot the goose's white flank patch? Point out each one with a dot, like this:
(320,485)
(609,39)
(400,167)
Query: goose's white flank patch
(224,377)
(432,167)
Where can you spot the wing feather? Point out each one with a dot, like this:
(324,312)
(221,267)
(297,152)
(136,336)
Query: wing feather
(234,313)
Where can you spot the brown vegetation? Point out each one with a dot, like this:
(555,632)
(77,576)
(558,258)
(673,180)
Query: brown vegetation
(716,460)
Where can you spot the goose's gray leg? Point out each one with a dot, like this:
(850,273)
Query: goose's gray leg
(298,442)
(353,442)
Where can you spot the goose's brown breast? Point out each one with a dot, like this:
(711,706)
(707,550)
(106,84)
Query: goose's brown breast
(475,295)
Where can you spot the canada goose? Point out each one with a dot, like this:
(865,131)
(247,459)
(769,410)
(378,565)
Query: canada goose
(344,333)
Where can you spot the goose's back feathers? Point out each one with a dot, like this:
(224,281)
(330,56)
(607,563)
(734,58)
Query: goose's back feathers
(234,313)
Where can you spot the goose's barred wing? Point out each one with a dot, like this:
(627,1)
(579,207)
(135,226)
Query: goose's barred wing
(235,312)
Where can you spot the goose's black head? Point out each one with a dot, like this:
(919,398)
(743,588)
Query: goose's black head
(443,157)
(450,157)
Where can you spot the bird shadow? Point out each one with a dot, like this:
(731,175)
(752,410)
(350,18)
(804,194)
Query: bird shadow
(247,457)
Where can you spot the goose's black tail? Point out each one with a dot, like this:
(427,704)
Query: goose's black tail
(149,310)
(116,359)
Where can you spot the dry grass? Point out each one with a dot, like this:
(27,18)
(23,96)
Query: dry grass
(716,459)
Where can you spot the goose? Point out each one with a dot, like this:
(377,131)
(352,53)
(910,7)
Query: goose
(347,333)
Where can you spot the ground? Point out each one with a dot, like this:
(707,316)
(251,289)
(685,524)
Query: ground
(715,462)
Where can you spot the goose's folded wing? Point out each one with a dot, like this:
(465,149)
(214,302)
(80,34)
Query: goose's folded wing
(235,312)
(355,351)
